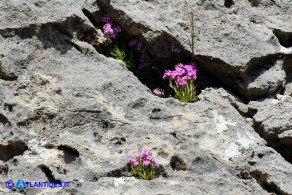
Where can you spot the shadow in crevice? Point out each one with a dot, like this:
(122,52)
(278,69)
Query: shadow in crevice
(263,181)
(285,38)
(178,164)
(70,154)
(48,173)
(56,35)
(282,146)
(228,3)
(14,148)
(158,50)
(259,65)
(254,3)
(287,66)
(4,120)
(214,72)
(285,149)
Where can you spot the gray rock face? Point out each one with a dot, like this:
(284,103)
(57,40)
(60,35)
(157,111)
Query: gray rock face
(273,121)
(288,89)
(68,113)
(235,44)
(19,14)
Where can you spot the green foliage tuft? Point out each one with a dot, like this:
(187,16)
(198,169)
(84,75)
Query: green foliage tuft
(118,53)
(144,172)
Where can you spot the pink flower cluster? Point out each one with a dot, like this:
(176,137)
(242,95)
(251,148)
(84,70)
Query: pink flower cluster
(139,47)
(158,92)
(144,158)
(108,28)
(174,48)
(182,74)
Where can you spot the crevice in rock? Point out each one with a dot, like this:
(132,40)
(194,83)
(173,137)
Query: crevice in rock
(90,16)
(76,46)
(27,122)
(4,169)
(125,172)
(244,174)
(256,65)
(49,146)
(283,148)
(70,154)
(254,3)
(213,72)
(4,120)
(285,38)
(262,180)
(52,34)
(174,134)
(14,148)
(228,3)
(206,77)
(249,114)
(48,173)
(116,173)
(254,69)
(121,172)
(287,66)
(178,163)
(212,67)
(8,107)
(118,141)
(7,77)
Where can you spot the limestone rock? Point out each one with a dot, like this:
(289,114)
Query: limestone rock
(68,113)
(240,42)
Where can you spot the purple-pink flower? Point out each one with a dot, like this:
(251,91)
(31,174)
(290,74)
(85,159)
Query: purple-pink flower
(150,157)
(116,30)
(145,158)
(131,160)
(181,81)
(143,165)
(147,163)
(108,28)
(182,74)
(144,154)
(158,92)
(136,163)
(174,48)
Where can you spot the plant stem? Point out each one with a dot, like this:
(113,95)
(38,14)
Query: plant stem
(191,18)
(192,33)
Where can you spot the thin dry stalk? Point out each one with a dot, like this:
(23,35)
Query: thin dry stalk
(191,18)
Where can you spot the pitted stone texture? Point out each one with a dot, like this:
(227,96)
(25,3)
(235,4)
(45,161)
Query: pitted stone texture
(95,107)
(19,14)
(66,101)
(288,88)
(235,44)
(274,117)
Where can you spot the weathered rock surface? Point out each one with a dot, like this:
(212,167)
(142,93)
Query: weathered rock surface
(68,113)
(288,89)
(273,121)
(237,44)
